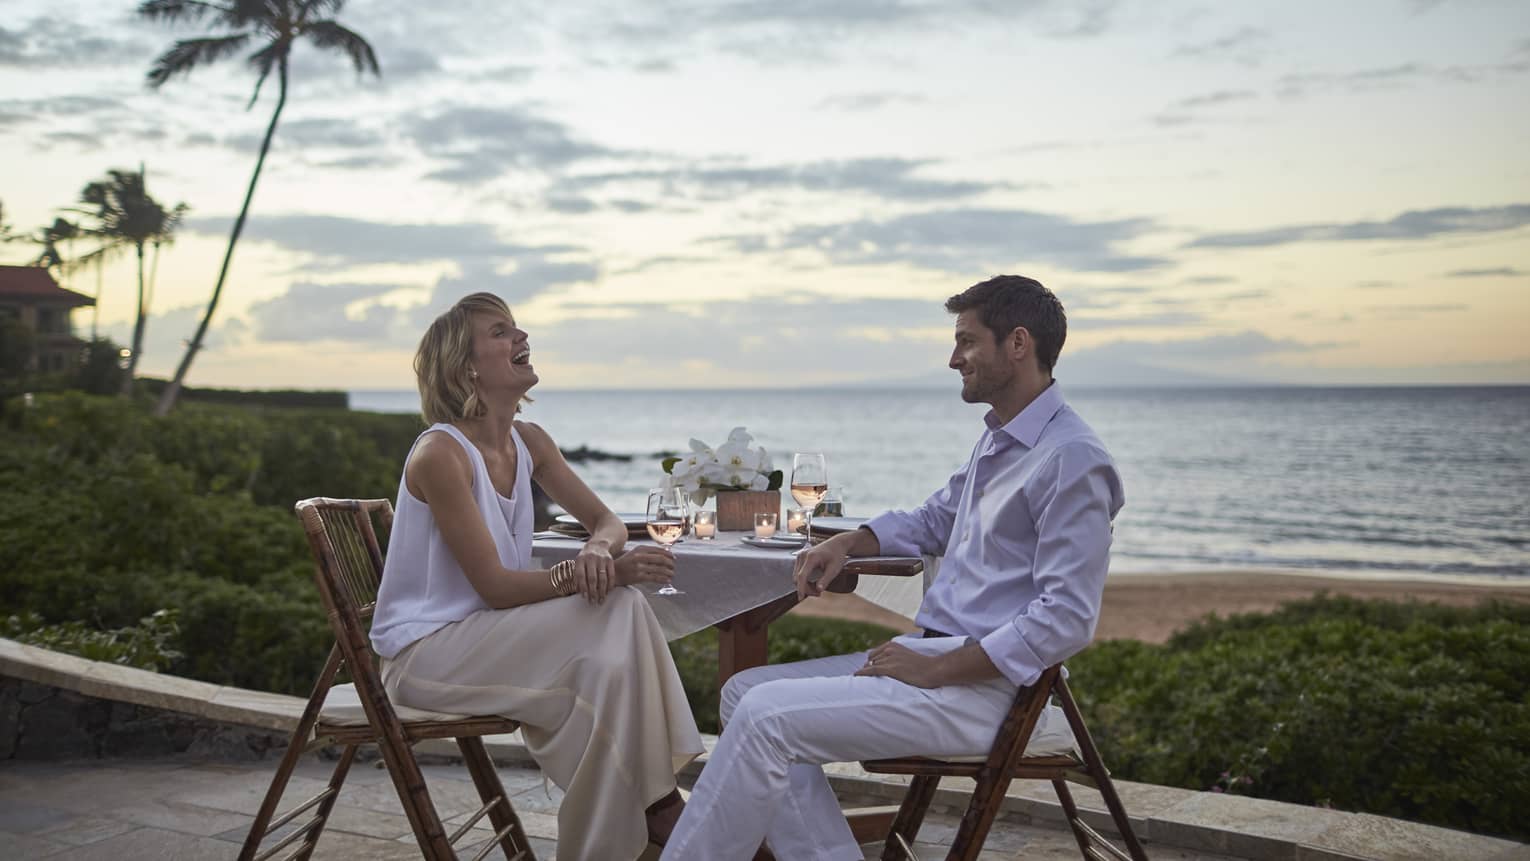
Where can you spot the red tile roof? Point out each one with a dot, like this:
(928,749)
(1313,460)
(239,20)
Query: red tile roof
(34,282)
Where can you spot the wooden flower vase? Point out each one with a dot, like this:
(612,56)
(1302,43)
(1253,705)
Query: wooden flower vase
(736,508)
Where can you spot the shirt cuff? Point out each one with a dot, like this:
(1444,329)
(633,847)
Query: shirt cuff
(891,537)
(1013,655)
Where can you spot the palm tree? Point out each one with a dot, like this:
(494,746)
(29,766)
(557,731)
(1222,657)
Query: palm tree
(277,25)
(125,215)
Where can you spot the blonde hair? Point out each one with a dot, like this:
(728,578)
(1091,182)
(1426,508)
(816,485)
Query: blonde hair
(442,365)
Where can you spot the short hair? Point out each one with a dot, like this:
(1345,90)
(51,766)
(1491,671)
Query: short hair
(1007,302)
(443,363)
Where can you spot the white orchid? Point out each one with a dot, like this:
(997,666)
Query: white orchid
(734,465)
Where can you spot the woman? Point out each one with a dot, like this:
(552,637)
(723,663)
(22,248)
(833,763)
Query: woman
(466,624)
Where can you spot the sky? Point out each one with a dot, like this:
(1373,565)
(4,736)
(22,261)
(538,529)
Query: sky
(766,193)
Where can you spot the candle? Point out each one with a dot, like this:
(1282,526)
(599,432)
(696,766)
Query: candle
(764,524)
(796,518)
(705,525)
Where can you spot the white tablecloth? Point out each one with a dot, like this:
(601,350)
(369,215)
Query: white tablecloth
(721,578)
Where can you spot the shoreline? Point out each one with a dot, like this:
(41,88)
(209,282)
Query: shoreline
(1151,606)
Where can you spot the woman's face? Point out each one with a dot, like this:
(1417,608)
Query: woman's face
(501,354)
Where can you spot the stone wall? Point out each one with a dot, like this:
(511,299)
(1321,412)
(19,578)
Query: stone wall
(41,722)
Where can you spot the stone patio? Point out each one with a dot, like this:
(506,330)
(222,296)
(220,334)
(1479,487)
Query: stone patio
(102,761)
(181,808)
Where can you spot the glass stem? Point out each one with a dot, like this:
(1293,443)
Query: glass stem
(809,517)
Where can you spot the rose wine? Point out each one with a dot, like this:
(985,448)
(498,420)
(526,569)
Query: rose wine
(666,532)
(809,495)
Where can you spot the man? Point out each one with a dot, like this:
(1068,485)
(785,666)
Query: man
(1025,531)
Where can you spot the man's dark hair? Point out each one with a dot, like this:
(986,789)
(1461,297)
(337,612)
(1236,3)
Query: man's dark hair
(1007,302)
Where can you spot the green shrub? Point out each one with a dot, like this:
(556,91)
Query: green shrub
(1415,711)
(146,645)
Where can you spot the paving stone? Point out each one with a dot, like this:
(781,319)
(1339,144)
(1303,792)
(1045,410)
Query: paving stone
(184,818)
(371,823)
(25,846)
(341,846)
(152,844)
(1236,825)
(24,817)
(85,830)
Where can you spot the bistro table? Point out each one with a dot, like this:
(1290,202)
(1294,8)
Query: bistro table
(732,586)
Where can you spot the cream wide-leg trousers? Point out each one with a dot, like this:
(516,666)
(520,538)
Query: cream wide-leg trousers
(764,780)
(599,701)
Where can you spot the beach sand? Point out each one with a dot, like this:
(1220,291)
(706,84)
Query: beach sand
(1150,607)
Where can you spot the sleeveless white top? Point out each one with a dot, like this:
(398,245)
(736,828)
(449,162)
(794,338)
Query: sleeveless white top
(423,588)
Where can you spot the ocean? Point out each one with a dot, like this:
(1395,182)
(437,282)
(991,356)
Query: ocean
(1359,481)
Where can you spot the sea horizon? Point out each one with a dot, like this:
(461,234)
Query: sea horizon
(1397,482)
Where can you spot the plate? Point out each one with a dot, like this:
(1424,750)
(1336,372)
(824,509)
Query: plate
(631,521)
(837,524)
(773,543)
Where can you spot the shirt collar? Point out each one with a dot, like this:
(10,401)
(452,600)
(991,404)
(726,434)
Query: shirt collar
(1026,428)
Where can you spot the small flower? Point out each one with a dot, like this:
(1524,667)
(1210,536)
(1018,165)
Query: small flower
(734,465)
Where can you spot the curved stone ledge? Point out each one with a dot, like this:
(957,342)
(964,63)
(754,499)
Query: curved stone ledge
(223,721)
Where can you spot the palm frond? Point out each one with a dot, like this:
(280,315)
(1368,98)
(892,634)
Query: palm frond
(262,62)
(172,11)
(331,34)
(187,54)
(311,10)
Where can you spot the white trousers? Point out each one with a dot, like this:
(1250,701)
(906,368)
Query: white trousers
(764,781)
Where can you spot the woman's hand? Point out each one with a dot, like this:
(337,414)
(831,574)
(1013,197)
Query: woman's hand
(594,571)
(645,564)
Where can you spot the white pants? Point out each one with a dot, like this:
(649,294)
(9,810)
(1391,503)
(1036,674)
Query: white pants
(765,780)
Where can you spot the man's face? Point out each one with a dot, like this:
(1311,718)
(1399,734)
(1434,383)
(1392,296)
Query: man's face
(984,366)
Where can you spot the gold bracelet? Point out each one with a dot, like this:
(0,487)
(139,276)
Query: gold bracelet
(562,577)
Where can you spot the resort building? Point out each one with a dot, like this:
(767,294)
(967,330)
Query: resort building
(29,295)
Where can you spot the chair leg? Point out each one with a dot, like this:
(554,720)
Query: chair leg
(1070,811)
(905,828)
(1095,767)
(296,746)
(502,814)
(321,815)
(987,798)
(415,798)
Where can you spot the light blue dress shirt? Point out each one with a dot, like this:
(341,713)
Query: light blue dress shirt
(1025,531)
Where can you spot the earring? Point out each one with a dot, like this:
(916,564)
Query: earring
(472,374)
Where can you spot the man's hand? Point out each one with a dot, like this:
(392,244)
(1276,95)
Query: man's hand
(899,662)
(816,567)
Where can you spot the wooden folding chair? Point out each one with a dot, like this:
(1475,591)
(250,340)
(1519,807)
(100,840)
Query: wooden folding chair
(1005,762)
(348,568)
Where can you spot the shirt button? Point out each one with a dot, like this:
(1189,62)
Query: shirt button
(966,536)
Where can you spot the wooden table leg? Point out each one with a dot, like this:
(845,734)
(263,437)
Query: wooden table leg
(742,641)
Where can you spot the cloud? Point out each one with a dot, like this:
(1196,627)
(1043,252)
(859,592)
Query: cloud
(1411,225)
(1499,272)
(966,241)
(1202,280)
(53,41)
(314,312)
(1237,345)
(1188,110)
(1394,77)
(886,178)
(479,144)
(62,106)
(1219,97)
(869,101)
(350,242)
(1248,46)
(311,133)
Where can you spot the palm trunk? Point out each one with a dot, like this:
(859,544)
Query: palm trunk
(138,326)
(172,392)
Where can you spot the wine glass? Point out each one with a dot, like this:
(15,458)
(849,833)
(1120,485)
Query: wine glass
(810,481)
(666,519)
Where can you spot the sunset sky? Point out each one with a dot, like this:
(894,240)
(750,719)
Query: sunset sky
(758,193)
